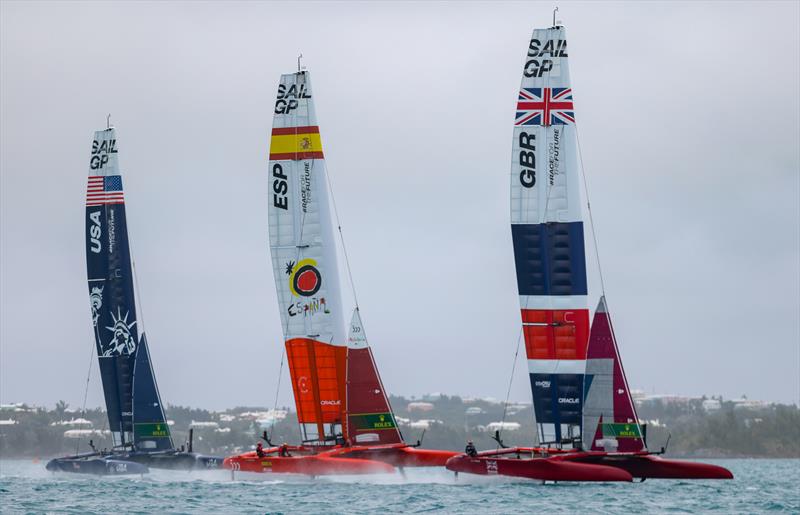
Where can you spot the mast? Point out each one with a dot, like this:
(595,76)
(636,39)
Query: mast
(304,263)
(547,232)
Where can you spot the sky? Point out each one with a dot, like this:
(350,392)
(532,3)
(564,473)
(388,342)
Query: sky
(689,121)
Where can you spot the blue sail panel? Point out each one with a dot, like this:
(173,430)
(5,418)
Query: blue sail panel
(150,428)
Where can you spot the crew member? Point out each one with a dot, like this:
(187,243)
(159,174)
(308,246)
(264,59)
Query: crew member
(471,450)
(284,451)
(260,450)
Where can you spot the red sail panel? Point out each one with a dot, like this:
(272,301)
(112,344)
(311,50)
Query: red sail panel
(555,334)
(609,412)
(370,419)
(318,372)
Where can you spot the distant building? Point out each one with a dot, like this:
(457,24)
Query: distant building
(73,422)
(710,405)
(210,425)
(420,406)
(8,422)
(474,410)
(502,426)
(85,433)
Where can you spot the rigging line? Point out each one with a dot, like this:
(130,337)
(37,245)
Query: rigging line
(277,392)
(86,390)
(510,383)
(341,239)
(591,218)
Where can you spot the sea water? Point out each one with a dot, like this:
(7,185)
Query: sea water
(26,487)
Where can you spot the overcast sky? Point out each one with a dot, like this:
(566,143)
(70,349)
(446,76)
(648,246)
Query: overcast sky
(688,117)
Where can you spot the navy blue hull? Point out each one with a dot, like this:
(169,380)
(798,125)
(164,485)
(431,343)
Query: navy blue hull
(175,460)
(100,466)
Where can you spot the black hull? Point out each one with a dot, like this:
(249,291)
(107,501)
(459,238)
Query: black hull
(175,460)
(97,465)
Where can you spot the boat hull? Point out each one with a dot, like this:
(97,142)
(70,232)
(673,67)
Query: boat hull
(311,464)
(100,466)
(544,469)
(558,465)
(176,460)
(649,466)
(399,455)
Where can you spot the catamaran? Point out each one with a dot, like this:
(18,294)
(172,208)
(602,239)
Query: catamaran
(140,433)
(587,426)
(346,422)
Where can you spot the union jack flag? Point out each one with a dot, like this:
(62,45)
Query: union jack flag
(545,106)
(103,190)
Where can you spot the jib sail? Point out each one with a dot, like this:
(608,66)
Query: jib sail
(370,419)
(108,264)
(547,231)
(304,263)
(609,415)
(150,429)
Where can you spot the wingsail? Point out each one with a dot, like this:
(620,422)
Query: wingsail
(609,415)
(108,264)
(133,405)
(304,263)
(547,232)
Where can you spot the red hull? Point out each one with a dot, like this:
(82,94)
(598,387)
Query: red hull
(648,466)
(311,464)
(544,469)
(338,460)
(557,465)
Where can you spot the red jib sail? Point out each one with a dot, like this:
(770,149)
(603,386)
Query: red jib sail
(609,417)
(370,419)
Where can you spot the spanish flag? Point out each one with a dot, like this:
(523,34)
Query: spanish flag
(295,143)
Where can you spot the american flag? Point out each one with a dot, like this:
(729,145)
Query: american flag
(103,190)
(545,106)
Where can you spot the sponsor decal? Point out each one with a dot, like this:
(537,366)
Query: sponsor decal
(280,187)
(305,187)
(491,467)
(541,56)
(151,430)
(372,421)
(304,278)
(545,106)
(101,152)
(302,383)
(569,400)
(112,230)
(542,384)
(95,231)
(554,155)
(621,430)
(527,159)
(122,340)
(96,301)
(336,402)
(288,97)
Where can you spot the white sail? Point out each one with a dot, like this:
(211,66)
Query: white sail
(301,234)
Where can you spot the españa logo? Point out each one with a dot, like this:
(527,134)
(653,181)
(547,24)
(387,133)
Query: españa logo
(304,278)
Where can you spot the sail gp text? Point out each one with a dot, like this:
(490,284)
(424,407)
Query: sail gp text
(288,98)
(540,57)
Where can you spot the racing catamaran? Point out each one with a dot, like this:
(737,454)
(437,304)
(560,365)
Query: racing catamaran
(346,422)
(140,433)
(587,427)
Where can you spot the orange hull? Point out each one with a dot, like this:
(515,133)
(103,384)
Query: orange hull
(400,455)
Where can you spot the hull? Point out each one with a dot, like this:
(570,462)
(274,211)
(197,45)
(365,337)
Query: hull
(558,465)
(100,466)
(648,466)
(400,455)
(543,469)
(176,460)
(304,462)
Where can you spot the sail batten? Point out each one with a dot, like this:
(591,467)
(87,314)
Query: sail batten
(548,238)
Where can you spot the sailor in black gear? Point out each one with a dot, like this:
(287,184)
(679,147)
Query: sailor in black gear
(471,451)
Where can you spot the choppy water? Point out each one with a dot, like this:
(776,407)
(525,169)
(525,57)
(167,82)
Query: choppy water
(760,486)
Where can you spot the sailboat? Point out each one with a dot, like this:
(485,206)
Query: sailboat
(346,422)
(139,429)
(586,421)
